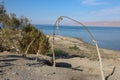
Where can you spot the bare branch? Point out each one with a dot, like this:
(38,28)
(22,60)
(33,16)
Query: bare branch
(106,78)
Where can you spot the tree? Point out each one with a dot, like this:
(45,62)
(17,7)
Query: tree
(33,40)
(6,20)
(28,40)
(14,22)
(24,21)
(2,11)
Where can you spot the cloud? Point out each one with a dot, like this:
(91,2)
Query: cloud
(93,2)
(107,12)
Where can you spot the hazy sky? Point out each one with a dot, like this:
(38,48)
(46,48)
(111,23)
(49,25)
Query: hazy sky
(47,11)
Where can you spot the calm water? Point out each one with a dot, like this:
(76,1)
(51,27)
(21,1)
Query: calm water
(107,37)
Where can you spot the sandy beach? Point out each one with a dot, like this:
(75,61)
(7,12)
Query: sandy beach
(81,64)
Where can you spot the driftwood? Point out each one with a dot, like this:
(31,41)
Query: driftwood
(29,46)
(92,37)
(106,78)
(37,54)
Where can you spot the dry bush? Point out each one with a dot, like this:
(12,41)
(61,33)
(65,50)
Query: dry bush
(8,39)
(16,39)
(18,33)
(40,41)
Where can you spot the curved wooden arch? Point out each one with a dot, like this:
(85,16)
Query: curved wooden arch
(92,37)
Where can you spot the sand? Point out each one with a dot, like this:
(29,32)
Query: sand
(83,65)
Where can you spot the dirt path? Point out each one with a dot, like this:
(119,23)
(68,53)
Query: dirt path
(16,67)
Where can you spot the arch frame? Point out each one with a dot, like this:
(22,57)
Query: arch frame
(60,18)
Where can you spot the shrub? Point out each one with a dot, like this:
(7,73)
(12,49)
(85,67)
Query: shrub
(40,41)
(59,53)
(21,34)
(8,39)
(75,47)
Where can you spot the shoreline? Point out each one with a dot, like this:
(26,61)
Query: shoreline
(90,43)
(65,42)
(86,42)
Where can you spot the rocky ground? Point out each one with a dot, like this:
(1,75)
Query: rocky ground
(77,67)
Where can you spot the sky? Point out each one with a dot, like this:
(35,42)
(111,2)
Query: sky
(47,11)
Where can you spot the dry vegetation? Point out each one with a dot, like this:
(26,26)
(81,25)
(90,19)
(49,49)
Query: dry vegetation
(19,35)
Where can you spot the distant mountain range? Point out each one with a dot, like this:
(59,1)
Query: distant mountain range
(96,23)
(103,23)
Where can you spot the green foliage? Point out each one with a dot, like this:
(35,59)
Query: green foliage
(14,22)
(6,20)
(9,21)
(59,53)
(75,47)
(24,21)
(2,11)
(10,36)
(41,42)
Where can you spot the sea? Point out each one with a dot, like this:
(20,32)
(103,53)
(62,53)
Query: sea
(107,37)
